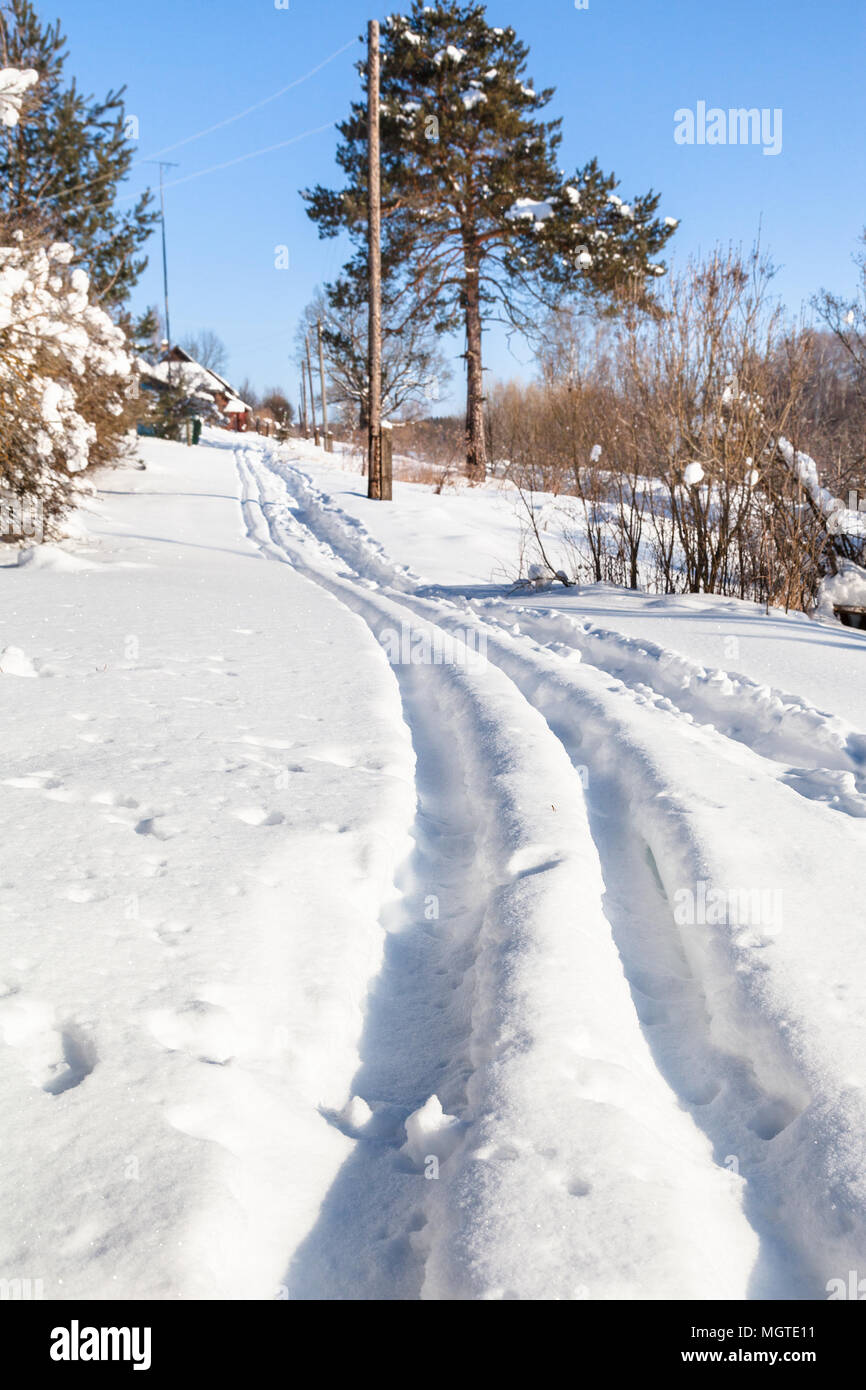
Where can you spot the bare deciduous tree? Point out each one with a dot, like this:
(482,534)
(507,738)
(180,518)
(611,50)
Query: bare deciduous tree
(669,440)
(207,349)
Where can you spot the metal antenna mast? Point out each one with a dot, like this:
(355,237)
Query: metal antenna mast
(163,165)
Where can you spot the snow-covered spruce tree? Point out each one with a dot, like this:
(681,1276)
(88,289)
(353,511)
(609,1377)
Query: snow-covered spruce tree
(63,162)
(477,216)
(65,375)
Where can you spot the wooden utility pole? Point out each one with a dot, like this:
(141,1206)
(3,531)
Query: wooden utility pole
(325,440)
(304,405)
(312,392)
(379,473)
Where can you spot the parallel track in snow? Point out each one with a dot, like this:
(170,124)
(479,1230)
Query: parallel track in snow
(728,1110)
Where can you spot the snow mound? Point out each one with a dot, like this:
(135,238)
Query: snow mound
(14,662)
(51,557)
(355,1114)
(430,1133)
(847,589)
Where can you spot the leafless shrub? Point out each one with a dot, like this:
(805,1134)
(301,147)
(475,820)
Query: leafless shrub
(661,432)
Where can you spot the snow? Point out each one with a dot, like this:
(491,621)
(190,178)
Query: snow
(183,988)
(840,519)
(529,209)
(14,84)
(472,539)
(195,379)
(693,474)
(533,970)
(15,662)
(767,1035)
(846,588)
(53,557)
(45,308)
(431,1133)
(456,55)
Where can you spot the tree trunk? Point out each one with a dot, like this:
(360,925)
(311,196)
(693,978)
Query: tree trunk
(379,482)
(476,444)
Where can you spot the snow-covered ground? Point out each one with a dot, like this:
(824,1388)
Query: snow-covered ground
(199,835)
(473,542)
(372,932)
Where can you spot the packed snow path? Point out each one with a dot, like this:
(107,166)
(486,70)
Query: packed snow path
(417,992)
(199,835)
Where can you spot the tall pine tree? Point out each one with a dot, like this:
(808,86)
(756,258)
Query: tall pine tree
(62,165)
(478,221)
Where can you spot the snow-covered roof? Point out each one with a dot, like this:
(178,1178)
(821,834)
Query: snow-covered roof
(198,380)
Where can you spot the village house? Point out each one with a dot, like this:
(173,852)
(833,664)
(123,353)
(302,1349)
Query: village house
(217,397)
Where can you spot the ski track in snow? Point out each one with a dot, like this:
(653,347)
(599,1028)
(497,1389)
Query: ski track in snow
(819,755)
(682,1073)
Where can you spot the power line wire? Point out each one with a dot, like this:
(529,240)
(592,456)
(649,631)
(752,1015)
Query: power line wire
(220,125)
(253,154)
(230,120)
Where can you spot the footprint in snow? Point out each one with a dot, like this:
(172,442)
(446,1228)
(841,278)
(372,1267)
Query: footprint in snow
(77,893)
(202,1030)
(277,743)
(109,798)
(257,815)
(159,827)
(34,781)
(532,859)
(60,793)
(337,757)
(773,1117)
(79,1060)
(56,1058)
(170,931)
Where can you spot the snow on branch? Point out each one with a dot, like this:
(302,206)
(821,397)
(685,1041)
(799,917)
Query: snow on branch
(14,84)
(841,520)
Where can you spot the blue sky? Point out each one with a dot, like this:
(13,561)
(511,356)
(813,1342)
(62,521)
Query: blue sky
(621,69)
